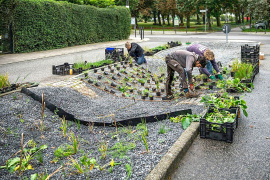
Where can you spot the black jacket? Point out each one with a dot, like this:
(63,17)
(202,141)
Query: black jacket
(136,49)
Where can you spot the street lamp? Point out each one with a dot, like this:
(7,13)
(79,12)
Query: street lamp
(127,4)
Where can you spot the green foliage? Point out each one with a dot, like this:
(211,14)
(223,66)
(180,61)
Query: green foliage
(244,71)
(220,117)
(163,129)
(129,170)
(142,127)
(4,81)
(185,119)
(47,24)
(121,148)
(28,155)
(234,84)
(144,140)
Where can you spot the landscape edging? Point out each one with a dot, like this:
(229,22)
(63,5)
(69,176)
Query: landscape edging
(172,158)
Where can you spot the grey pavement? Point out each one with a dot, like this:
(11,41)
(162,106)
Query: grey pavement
(248,157)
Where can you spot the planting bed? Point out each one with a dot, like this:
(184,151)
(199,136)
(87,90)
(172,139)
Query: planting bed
(126,145)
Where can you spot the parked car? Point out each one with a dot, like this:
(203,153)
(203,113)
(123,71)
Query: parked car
(260,25)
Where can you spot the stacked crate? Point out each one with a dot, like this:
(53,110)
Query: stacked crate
(250,54)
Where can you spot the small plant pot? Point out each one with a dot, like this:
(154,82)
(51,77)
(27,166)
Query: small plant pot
(143,97)
(204,80)
(97,84)
(95,70)
(130,65)
(106,89)
(148,81)
(113,84)
(122,63)
(125,72)
(99,77)
(142,84)
(109,67)
(102,69)
(90,81)
(210,86)
(151,98)
(162,90)
(114,78)
(197,87)
(132,76)
(118,68)
(158,93)
(154,89)
(112,91)
(160,80)
(106,73)
(224,72)
(232,74)
(173,84)
(143,76)
(112,70)
(118,74)
(213,83)
(131,90)
(125,62)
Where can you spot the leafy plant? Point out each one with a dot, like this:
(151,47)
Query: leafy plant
(244,71)
(163,129)
(128,169)
(142,127)
(64,126)
(22,163)
(103,147)
(220,117)
(121,148)
(143,138)
(185,119)
(4,82)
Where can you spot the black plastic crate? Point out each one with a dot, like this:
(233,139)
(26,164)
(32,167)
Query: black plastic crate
(217,131)
(62,69)
(248,48)
(253,61)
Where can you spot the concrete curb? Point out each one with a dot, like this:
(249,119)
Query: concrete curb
(172,158)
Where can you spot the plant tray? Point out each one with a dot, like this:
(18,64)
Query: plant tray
(217,131)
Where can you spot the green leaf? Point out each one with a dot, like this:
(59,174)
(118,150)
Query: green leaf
(34,176)
(186,121)
(245,112)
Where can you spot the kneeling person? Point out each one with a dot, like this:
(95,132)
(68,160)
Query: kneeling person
(177,61)
(136,51)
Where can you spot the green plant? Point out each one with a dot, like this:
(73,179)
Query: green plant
(142,127)
(235,65)
(103,147)
(129,170)
(162,129)
(64,126)
(141,80)
(220,116)
(145,92)
(185,119)
(144,140)
(244,71)
(22,163)
(40,176)
(4,82)
(121,148)
(78,123)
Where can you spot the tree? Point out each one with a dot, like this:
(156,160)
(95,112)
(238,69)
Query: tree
(187,8)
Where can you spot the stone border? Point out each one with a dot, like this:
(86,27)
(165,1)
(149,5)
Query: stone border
(172,158)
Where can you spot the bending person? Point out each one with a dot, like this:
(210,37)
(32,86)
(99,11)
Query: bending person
(177,61)
(209,55)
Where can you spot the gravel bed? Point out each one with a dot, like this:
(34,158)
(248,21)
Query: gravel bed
(18,106)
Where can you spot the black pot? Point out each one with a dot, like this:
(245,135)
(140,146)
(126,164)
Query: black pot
(99,77)
(131,90)
(143,97)
(114,78)
(162,90)
(204,80)
(90,81)
(109,67)
(210,86)
(112,70)
(148,81)
(124,67)
(113,84)
(197,87)
(213,83)
(142,84)
(232,74)
(118,74)
(154,89)
(224,72)
(151,98)
(106,73)
(112,91)
(95,70)
(118,68)
(158,93)
(97,84)
(102,69)
(130,65)
(125,72)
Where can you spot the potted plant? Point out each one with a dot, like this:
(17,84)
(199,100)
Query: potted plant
(142,81)
(151,96)
(105,73)
(99,77)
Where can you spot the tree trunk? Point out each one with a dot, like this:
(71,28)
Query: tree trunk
(218,20)
(159,20)
(203,19)
(236,18)
(168,19)
(163,19)
(198,19)
(188,21)
(243,20)
(155,16)
(208,22)
(181,19)
(173,16)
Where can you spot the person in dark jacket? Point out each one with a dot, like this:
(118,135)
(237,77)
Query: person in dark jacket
(211,63)
(136,51)
(177,61)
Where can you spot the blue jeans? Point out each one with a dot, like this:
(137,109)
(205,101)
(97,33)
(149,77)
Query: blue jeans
(140,60)
(209,67)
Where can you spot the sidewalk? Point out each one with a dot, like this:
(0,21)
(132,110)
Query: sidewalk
(11,58)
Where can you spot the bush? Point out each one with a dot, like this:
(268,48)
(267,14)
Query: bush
(47,24)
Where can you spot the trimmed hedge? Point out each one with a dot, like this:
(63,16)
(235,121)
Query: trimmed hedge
(47,24)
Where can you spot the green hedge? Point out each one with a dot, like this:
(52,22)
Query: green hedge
(47,24)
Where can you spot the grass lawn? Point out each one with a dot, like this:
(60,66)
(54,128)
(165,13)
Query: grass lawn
(193,27)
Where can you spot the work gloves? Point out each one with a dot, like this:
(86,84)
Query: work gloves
(212,77)
(191,87)
(220,77)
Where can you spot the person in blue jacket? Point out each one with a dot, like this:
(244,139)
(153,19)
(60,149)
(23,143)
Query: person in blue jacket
(211,63)
(136,51)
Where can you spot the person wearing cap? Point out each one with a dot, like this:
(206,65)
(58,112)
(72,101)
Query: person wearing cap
(211,63)
(136,51)
(177,61)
